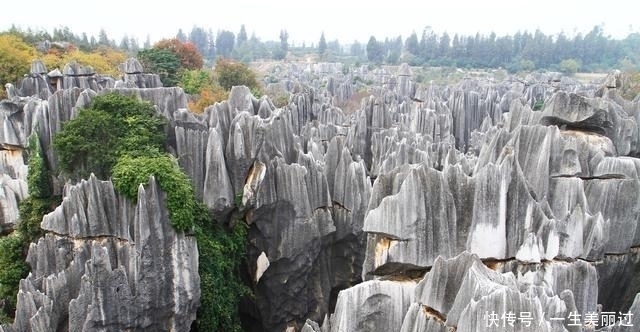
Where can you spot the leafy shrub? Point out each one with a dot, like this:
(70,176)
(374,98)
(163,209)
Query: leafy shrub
(162,62)
(86,144)
(113,125)
(538,105)
(569,66)
(204,89)
(131,153)
(129,172)
(221,253)
(207,97)
(39,178)
(229,74)
(193,81)
(12,269)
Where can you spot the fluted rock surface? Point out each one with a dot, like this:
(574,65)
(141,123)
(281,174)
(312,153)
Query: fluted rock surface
(450,202)
(106,264)
(372,306)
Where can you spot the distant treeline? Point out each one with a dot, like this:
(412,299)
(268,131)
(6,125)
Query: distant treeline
(521,51)
(593,51)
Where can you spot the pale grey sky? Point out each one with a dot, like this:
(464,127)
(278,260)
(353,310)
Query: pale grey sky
(339,19)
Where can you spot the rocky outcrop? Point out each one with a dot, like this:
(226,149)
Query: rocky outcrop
(372,306)
(426,209)
(136,77)
(537,202)
(101,250)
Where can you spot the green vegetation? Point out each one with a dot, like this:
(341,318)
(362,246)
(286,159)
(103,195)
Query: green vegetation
(322,46)
(594,51)
(12,269)
(162,62)
(221,253)
(538,105)
(229,73)
(170,58)
(113,126)
(375,51)
(569,66)
(15,59)
(38,179)
(132,155)
(631,85)
(130,171)
(13,248)
(193,81)
(203,87)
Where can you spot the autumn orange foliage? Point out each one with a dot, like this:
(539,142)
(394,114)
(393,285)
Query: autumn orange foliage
(207,97)
(15,59)
(104,60)
(187,52)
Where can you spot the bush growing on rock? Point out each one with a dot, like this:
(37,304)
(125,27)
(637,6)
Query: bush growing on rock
(203,88)
(12,269)
(112,126)
(221,253)
(122,137)
(229,74)
(13,248)
(130,171)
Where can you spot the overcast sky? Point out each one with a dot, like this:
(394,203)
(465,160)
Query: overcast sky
(339,19)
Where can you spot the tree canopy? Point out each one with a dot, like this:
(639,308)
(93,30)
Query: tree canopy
(112,126)
(15,59)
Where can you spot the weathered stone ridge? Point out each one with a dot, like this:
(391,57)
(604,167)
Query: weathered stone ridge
(101,250)
(421,210)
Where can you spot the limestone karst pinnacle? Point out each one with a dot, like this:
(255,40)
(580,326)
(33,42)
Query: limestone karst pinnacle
(422,210)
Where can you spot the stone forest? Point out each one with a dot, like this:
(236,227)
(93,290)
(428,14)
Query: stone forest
(485,204)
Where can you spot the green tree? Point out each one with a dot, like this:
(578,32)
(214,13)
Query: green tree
(39,177)
(375,52)
(186,52)
(412,45)
(242,36)
(284,41)
(230,73)
(12,269)
(225,41)
(103,39)
(113,125)
(193,81)
(181,36)
(200,38)
(356,49)
(569,66)
(162,62)
(322,45)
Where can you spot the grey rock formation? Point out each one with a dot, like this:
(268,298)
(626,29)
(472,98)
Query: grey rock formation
(405,87)
(101,250)
(372,306)
(464,294)
(450,202)
(135,76)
